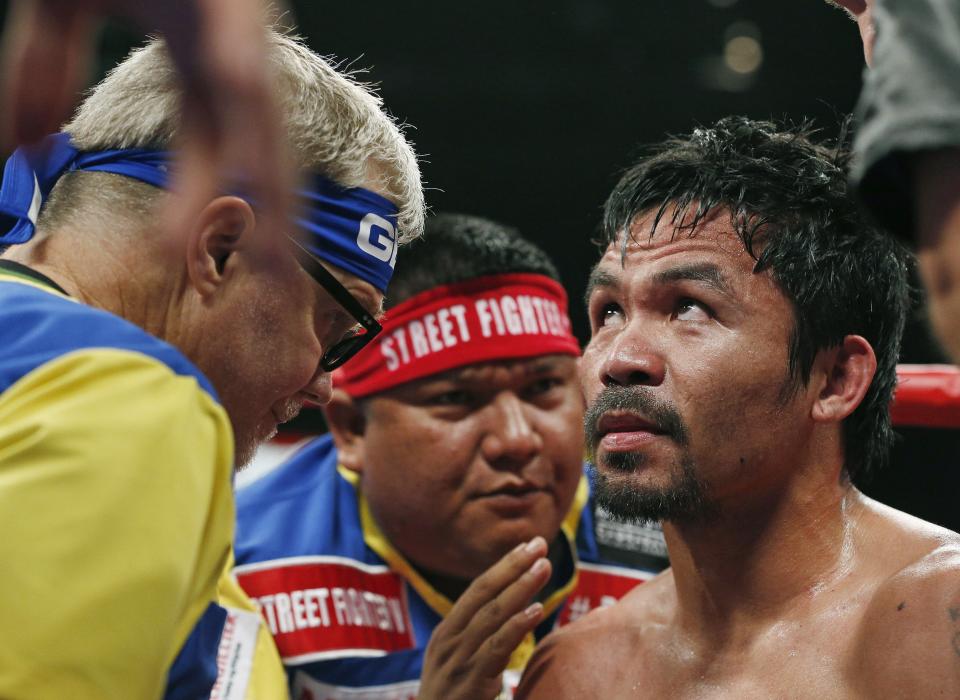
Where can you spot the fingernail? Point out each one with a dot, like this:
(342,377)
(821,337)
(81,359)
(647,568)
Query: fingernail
(538,566)
(534,610)
(533,545)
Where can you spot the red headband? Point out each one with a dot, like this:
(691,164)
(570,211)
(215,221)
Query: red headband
(486,318)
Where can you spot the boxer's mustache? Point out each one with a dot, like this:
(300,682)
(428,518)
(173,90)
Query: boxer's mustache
(639,400)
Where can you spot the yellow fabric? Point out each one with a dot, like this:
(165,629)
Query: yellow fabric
(268,680)
(379,543)
(569,528)
(116,516)
(521,655)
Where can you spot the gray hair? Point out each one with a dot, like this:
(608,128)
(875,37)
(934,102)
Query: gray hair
(335,125)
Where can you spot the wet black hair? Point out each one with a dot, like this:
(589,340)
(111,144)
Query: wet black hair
(789,203)
(458,247)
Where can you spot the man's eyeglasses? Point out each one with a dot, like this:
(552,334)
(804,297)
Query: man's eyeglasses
(351,345)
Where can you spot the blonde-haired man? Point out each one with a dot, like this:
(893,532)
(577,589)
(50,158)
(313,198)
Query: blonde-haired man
(118,414)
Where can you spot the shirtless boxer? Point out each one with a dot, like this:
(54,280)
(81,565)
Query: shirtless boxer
(743,350)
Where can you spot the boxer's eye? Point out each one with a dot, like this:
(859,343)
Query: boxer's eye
(610,315)
(688,309)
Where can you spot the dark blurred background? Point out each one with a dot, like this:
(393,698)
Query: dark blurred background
(525,112)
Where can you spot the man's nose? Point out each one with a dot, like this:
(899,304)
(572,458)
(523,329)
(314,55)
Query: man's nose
(632,358)
(511,440)
(320,388)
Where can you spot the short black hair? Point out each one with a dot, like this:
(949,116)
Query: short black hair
(790,205)
(458,247)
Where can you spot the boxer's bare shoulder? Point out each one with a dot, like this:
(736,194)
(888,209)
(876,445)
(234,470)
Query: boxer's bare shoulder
(908,642)
(604,649)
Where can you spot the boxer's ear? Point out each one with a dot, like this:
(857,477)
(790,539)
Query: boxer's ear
(843,375)
(220,228)
(347,423)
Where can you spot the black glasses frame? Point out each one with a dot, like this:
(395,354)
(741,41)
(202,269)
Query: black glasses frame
(348,347)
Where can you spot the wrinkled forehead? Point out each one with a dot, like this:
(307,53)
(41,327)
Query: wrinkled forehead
(666,252)
(655,233)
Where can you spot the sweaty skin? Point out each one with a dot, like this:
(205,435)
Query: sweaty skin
(797,586)
(886,625)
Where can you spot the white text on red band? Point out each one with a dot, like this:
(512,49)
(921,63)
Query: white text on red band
(505,315)
(323,607)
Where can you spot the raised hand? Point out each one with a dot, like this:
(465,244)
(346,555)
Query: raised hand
(231,127)
(471,647)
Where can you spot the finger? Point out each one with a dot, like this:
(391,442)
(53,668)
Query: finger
(494,655)
(234,137)
(196,180)
(494,580)
(52,39)
(511,601)
(476,673)
(214,157)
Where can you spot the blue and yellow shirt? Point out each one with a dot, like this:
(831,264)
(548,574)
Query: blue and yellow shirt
(116,508)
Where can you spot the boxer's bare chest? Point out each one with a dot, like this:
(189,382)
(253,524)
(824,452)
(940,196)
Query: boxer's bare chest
(812,656)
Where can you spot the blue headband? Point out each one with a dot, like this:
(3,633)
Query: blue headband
(352,228)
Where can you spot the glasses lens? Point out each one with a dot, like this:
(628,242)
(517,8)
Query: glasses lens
(348,347)
(344,350)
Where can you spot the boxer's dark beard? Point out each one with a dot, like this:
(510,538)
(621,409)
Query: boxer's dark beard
(683,499)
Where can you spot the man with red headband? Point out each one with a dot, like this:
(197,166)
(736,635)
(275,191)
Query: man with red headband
(745,328)
(456,438)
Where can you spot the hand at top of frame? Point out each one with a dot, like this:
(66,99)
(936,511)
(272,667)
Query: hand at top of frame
(230,120)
